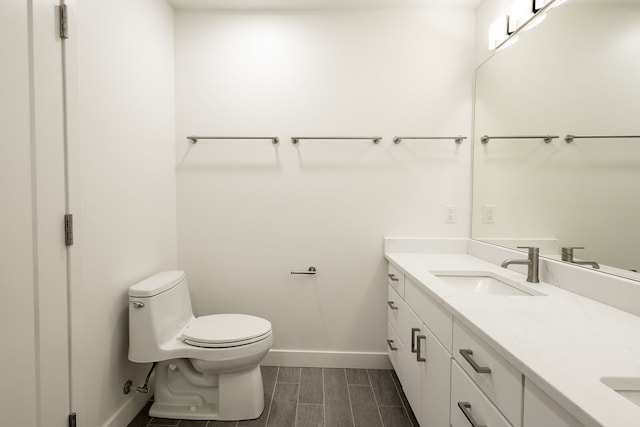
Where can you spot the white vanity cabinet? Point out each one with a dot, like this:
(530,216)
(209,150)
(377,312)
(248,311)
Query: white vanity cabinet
(542,410)
(485,360)
(421,361)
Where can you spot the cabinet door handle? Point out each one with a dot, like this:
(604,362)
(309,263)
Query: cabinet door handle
(413,339)
(391,305)
(465,407)
(419,358)
(467,354)
(391,347)
(393,277)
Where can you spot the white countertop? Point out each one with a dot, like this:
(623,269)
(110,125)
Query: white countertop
(563,342)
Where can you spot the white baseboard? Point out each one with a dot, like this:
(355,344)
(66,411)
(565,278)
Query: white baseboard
(129,410)
(326,359)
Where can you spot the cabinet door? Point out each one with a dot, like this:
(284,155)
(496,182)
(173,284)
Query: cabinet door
(542,410)
(435,366)
(409,371)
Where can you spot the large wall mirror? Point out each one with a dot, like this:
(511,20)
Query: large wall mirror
(577,73)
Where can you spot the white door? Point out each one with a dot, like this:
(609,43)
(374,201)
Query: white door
(33,307)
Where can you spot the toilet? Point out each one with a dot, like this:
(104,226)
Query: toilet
(208,368)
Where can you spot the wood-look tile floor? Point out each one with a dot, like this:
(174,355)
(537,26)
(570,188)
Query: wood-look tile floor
(317,397)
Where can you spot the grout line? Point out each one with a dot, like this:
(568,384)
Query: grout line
(273,392)
(374,396)
(346,380)
(295,419)
(324,410)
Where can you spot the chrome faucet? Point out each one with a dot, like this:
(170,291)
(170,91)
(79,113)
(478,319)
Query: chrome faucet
(533,261)
(567,255)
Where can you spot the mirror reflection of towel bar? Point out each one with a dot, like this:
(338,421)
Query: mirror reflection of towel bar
(311,270)
(569,138)
(546,138)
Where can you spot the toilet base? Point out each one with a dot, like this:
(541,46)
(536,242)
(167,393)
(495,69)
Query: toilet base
(181,392)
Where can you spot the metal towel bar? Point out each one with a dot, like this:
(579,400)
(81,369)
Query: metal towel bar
(274,139)
(457,139)
(374,139)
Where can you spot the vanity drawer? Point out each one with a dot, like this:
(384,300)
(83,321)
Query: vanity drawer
(394,346)
(497,378)
(437,319)
(396,279)
(469,406)
(394,305)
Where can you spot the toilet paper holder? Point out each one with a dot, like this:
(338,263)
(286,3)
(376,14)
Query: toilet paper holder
(310,270)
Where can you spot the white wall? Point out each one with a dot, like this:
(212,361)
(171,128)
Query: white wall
(123,190)
(249,213)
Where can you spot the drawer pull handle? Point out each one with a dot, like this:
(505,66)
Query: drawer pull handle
(393,277)
(419,358)
(465,407)
(467,354)
(391,347)
(413,339)
(392,305)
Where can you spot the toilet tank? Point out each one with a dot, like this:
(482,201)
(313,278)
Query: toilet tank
(159,308)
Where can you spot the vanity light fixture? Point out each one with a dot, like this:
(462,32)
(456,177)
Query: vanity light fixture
(519,13)
(523,15)
(498,32)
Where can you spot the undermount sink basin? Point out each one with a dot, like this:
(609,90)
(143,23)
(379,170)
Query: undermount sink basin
(484,284)
(629,388)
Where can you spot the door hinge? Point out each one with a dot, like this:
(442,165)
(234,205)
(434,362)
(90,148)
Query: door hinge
(68,230)
(64,22)
(72,419)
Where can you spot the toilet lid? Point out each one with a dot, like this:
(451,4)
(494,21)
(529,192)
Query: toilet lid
(226,330)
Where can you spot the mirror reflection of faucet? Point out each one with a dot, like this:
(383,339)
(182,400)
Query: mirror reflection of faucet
(532,261)
(567,255)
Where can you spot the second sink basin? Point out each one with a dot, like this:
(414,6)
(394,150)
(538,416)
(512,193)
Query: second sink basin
(629,388)
(484,284)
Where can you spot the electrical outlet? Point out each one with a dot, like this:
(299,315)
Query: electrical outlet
(450,214)
(489,214)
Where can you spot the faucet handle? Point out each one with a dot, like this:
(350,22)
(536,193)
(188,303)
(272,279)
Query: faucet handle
(569,249)
(532,249)
(567,252)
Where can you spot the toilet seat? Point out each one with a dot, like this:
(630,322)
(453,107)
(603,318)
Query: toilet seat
(226,330)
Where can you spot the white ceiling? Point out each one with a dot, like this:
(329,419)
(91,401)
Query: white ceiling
(319,4)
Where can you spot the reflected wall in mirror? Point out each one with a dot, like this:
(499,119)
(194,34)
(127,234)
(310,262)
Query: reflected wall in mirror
(578,73)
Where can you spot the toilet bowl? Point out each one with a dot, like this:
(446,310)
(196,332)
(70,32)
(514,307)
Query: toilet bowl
(208,368)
